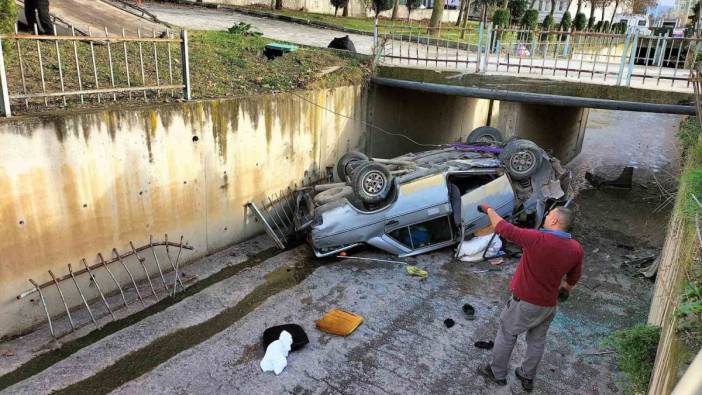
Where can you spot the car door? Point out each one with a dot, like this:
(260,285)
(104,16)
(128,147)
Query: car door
(498,193)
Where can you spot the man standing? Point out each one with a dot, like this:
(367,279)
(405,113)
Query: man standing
(31,8)
(549,255)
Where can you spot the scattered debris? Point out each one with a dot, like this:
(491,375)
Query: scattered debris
(328,70)
(496,261)
(486,345)
(276,358)
(8,353)
(339,322)
(624,181)
(417,272)
(299,337)
(479,247)
(449,322)
(469,311)
(651,270)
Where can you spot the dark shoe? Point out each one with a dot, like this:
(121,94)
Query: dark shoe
(527,384)
(486,371)
(486,345)
(469,311)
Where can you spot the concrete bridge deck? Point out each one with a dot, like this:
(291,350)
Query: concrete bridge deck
(537,90)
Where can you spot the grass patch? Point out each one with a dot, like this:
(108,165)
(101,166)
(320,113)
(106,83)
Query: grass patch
(221,64)
(689,310)
(635,353)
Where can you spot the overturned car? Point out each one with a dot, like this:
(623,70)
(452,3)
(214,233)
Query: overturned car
(420,202)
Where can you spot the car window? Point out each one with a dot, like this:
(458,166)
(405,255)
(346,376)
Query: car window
(402,236)
(424,234)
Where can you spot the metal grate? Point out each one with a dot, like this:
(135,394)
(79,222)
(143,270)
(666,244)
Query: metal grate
(103,264)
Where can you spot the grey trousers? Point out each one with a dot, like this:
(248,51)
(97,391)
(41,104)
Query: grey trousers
(515,319)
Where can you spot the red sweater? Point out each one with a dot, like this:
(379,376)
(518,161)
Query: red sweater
(546,259)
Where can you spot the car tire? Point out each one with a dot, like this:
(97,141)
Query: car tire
(348,162)
(521,158)
(371,182)
(332,194)
(484,134)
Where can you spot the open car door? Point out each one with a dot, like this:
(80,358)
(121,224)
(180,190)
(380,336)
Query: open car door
(498,193)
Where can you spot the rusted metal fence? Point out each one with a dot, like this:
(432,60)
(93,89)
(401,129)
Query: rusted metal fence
(120,263)
(616,59)
(57,70)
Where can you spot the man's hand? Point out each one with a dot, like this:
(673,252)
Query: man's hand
(483,208)
(563,294)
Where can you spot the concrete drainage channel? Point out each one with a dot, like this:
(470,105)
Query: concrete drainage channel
(82,345)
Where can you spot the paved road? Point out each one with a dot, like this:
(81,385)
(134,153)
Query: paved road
(221,19)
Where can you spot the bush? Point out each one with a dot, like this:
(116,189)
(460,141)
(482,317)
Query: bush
(566,21)
(619,28)
(591,22)
(598,26)
(8,16)
(580,21)
(530,19)
(547,24)
(605,26)
(244,29)
(501,18)
(517,9)
(635,350)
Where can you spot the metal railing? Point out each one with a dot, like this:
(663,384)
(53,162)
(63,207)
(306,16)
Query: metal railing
(61,70)
(617,59)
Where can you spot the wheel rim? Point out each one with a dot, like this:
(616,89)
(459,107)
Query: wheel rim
(374,182)
(522,162)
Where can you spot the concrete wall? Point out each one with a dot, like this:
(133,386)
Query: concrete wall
(78,184)
(433,118)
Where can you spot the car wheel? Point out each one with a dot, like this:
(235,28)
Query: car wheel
(372,182)
(332,194)
(348,162)
(521,158)
(484,134)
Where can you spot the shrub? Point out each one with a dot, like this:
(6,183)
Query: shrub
(605,26)
(530,19)
(591,22)
(566,21)
(580,21)
(501,18)
(635,350)
(598,26)
(547,24)
(8,16)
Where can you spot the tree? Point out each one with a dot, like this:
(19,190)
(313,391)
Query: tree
(412,5)
(501,18)
(517,8)
(395,7)
(695,17)
(566,21)
(338,4)
(604,4)
(547,24)
(553,8)
(614,12)
(8,16)
(593,7)
(580,21)
(278,4)
(436,14)
(346,10)
(379,6)
(580,6)
(530,19)
(640,6)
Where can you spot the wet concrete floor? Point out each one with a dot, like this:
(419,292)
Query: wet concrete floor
(209,342)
